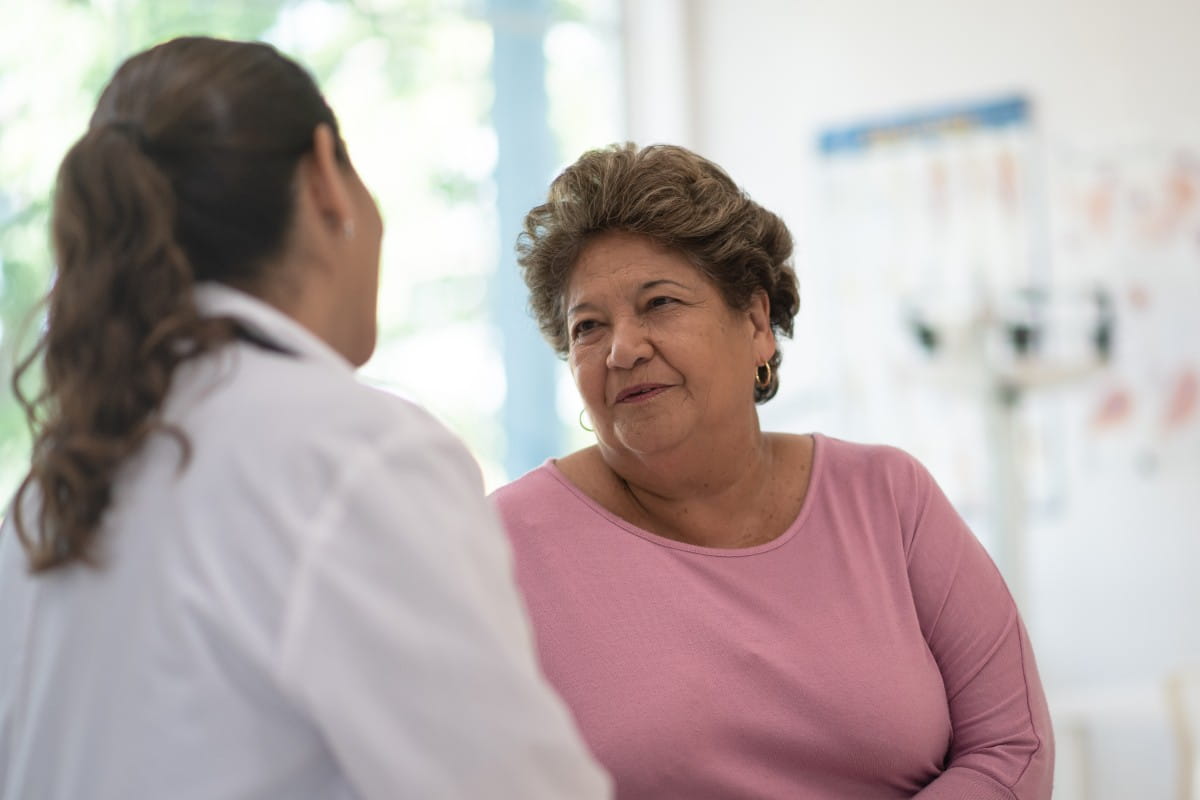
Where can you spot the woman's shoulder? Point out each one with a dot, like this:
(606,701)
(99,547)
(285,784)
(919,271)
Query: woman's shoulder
(548,490)
(523,490)
(885,483)
(850,462)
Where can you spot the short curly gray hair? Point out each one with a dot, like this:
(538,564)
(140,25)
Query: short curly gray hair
(679,200)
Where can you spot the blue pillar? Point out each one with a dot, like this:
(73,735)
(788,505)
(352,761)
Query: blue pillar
(523,171)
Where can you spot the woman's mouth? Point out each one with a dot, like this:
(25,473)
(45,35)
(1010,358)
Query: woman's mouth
(640,393)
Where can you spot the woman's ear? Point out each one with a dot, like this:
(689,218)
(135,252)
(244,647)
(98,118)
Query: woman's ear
(326,183)
(759,315)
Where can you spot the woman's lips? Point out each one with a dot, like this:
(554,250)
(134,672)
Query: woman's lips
(640,392)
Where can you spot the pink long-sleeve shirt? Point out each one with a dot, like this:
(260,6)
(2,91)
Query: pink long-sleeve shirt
(870,651)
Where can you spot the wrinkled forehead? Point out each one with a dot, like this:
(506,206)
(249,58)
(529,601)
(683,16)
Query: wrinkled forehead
(622,264)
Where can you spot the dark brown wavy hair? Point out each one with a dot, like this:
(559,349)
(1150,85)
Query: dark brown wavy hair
(679,200)
(185,174)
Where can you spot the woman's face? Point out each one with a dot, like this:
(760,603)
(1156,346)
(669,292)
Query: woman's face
(656,352)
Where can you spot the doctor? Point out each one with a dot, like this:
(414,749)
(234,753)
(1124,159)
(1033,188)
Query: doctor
(232,570)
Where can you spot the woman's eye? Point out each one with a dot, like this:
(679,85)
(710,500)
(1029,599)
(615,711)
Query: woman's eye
(582,327)
(659,302)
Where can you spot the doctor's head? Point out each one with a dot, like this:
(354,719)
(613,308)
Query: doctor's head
(205,160)
(213,160)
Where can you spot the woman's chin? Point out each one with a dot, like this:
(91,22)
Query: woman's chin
(648,438)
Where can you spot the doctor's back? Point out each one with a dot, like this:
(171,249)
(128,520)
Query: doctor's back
(234,571)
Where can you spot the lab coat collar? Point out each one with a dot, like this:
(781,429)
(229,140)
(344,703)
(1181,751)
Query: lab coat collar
(266,321)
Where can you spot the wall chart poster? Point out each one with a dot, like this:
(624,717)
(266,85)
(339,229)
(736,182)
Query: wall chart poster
(937,231)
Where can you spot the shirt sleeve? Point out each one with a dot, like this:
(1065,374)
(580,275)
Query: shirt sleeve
(407,644)
(1002,746)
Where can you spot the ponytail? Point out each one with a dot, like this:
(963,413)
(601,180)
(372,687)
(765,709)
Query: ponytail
(120,319)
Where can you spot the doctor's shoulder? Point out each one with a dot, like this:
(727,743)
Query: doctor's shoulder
(344,419)
(292,417)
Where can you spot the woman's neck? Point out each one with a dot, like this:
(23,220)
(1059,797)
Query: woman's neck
(713,494)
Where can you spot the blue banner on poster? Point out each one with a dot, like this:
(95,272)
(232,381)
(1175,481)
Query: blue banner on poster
(949,120)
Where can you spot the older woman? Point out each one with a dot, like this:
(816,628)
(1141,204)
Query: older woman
(732,613)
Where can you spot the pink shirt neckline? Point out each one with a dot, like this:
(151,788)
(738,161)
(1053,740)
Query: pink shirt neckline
(551,467)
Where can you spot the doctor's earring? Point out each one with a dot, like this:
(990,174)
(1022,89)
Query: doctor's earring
(583,411)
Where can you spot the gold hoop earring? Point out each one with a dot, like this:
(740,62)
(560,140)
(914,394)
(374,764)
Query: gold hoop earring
(583,411)
(759,380)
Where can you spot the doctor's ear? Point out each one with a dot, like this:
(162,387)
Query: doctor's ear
(325,181)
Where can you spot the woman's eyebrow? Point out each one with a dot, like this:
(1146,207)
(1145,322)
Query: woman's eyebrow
(660,281)
(653,284)
(584,306)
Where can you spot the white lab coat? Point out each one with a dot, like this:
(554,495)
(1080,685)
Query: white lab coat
(319,605)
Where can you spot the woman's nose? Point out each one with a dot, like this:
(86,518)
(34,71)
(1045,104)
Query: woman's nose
(630,344)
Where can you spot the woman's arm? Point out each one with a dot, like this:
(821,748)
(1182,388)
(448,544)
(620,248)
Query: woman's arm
(1002,745)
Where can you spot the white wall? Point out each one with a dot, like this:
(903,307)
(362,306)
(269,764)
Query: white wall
(767,74)
(1115,571)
